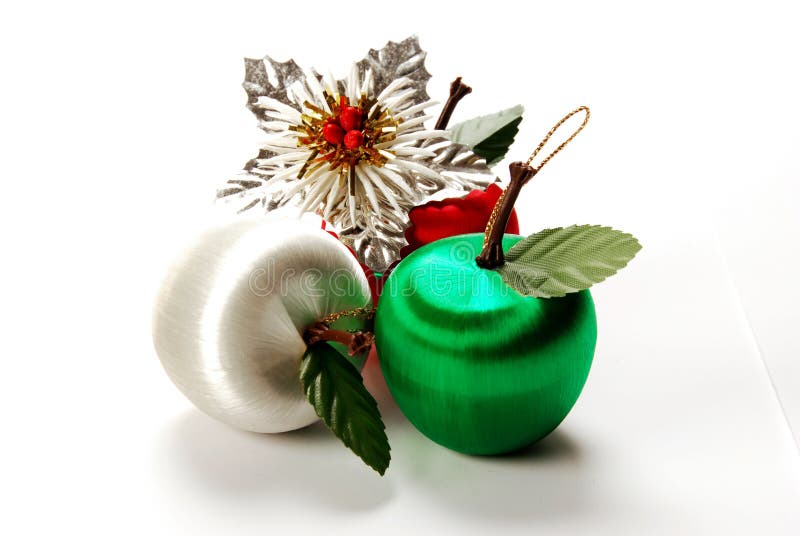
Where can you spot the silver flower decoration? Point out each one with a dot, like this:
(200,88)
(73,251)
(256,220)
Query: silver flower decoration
(355,150)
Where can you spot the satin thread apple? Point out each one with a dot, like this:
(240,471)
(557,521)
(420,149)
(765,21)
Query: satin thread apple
(472,363)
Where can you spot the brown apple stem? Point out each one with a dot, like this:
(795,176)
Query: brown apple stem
(492,254)
(458,90)
(356,343)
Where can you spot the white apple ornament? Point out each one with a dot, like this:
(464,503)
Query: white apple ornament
(231,315)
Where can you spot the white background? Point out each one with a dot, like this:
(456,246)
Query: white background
(119,120)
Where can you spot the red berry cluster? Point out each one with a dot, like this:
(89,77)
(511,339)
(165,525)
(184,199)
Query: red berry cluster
(346,128)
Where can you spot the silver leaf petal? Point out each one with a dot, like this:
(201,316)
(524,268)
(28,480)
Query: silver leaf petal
(269,78)
(398,60)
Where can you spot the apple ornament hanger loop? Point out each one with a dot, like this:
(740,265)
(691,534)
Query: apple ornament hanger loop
(492,255)
(552,131)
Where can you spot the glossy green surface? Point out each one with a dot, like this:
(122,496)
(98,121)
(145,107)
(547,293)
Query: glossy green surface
(475,366)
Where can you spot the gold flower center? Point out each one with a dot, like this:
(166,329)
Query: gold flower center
(346,135)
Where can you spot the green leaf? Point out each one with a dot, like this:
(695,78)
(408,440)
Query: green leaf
(495,147)
(336,390)
(556,262)
(489,136)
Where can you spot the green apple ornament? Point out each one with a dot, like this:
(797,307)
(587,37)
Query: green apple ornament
(488,354)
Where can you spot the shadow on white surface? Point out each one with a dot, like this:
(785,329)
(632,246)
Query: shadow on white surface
(306,467)
(200,459)
(293,466)
(540,481)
